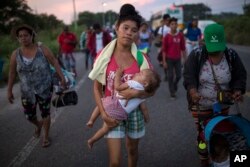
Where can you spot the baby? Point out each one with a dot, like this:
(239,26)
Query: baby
(219,151)
(118,109)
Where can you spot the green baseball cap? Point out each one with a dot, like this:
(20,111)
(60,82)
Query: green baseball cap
(215,38)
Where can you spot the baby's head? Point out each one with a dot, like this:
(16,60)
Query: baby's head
(219,148)
(149,79)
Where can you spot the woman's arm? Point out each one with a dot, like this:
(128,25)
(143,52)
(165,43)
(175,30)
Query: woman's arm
(12,76)
(144,110)
(164,51)
(54,62)
(191,71)
(98,95)
(117,83)
(133,93)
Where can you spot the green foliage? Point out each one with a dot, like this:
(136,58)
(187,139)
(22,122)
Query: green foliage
(49,39)
(199,10)
(237,30)
(88,18)
(246,9)
(16,12)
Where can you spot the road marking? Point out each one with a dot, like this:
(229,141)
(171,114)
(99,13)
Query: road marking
(29,147)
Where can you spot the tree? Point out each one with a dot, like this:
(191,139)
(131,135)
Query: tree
(12,12)
(110,17)
(85,18)
(16,12)
(199,10)
(246,9)
(44,21)
(88,18)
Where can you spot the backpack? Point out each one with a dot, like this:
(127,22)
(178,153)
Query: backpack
(139,57)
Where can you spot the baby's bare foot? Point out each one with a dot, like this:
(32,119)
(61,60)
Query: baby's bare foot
(90,143)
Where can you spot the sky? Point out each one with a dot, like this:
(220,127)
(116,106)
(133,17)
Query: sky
(63,9)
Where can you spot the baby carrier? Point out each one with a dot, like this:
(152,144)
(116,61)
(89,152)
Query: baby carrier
(242,127)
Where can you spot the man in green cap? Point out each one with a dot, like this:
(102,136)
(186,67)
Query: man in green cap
(210,70)
(215,38)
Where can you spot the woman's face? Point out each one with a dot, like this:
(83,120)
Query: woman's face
(144,28)
(127,32)
(24,37)
(173,25)
(215,54)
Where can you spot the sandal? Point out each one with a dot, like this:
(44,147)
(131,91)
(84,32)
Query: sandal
(46,143)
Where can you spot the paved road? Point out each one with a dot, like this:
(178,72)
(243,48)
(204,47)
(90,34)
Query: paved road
(169,139)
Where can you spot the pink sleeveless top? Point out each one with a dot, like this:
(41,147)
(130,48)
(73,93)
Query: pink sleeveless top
(111,69)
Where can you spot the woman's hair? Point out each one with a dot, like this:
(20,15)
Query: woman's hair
(128,12)
(153,81)
(28,28)
(173,19)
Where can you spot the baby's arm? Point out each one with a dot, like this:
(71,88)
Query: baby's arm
(118,84)
(144,110)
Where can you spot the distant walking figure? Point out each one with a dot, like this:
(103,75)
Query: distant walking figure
(32,63)
(67,43)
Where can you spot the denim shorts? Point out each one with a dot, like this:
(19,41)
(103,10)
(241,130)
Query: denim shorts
(133,127)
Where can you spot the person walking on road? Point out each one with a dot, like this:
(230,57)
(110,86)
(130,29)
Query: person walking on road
(84,38)
(119,109)
(32,63)
(173,50)
(162,32)
(67,43)
(121,52)
(98,39)
(209,71)
(145,38)
(193,36)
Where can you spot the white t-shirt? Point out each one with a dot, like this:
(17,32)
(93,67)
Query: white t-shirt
(135,102)
(99,42)
(222,164)
(163,30)
(27,61)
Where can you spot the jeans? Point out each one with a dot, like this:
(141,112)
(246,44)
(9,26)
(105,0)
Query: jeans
(88,58)
(174,74)
(68,62)
(191,47)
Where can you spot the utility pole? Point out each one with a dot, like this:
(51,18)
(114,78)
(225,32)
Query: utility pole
(74,8)
(103,16)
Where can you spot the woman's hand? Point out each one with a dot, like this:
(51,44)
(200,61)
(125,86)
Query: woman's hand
(10,97)
(63,83)
(194,96)
(237,96)
(165,65)
(109,121)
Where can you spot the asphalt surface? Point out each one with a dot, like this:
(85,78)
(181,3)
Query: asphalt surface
(169,139)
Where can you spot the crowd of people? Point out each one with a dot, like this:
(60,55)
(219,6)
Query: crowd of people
(121,69)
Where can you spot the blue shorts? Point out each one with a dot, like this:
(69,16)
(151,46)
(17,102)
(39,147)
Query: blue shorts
(133,127)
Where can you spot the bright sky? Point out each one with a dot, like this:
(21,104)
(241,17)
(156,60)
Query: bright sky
(63,9)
